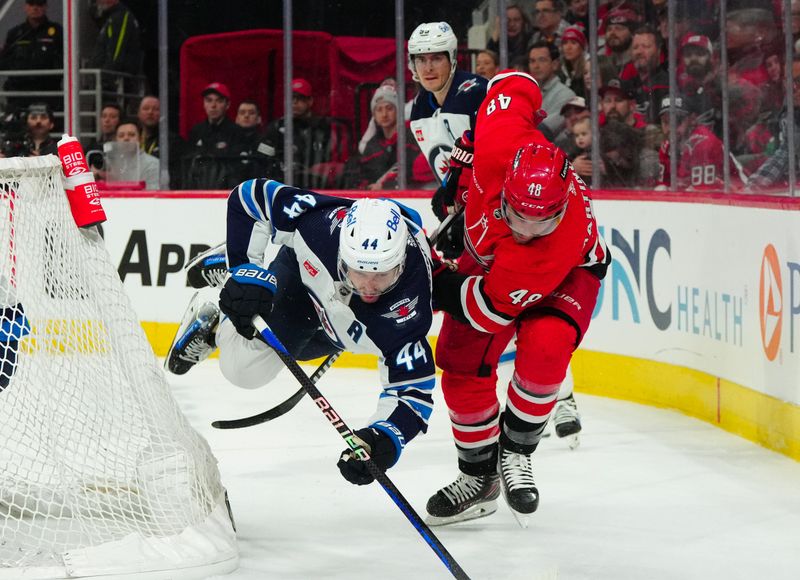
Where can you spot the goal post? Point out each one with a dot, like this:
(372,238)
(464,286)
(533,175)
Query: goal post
(101,475)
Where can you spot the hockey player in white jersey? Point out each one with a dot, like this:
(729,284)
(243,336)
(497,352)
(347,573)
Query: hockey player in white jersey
(445,106)
(349,276)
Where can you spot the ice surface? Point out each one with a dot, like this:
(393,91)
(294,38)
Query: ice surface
(649,494)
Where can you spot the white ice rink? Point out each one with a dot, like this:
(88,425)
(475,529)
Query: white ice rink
(649,494)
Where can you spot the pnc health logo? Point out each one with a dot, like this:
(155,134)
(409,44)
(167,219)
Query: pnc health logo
(770,302)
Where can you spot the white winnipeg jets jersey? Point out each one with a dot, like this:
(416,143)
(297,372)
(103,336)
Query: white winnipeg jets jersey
(436,128)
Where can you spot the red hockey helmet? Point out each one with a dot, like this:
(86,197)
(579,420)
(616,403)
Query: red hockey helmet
(536,189)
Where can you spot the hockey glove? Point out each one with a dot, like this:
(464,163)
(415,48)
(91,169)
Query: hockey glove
(381,450)
(249,291)
(452,194)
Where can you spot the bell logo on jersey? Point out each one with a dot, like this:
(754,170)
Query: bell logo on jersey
(403,310)
(770,302)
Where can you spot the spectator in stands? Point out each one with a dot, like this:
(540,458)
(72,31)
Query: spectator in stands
(572,111)
(582,136)
(311,142)
(701,154)
(213,143)
(698,75)
(648,79)
(149,114)
(619,27)
(578,13)
(750,29)
(129,131)
(371,129)
(217,134)
(486,63)
(618,103)
(110,117)
(543,65)
(118,45)
(36,44)
(248,117)
(625,162)
(547,18)
(573,59)
(754,133)
(774,172)
(39,123)
(518,30)
(774,89)
(376,167)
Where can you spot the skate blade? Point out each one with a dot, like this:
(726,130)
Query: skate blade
(473,513)
(573,441)
(522,519)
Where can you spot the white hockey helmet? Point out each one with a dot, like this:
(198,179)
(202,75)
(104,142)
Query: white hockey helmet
(432,37)
(372,240)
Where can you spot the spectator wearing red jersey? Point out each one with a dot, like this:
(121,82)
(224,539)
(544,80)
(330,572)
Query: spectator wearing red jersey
(701,156)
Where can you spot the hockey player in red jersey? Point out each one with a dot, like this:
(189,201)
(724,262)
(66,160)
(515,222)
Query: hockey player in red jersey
(533,264)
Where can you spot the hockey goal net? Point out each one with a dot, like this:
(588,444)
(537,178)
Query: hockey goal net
(100,473)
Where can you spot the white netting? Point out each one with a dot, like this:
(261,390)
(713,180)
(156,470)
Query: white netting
(94,452)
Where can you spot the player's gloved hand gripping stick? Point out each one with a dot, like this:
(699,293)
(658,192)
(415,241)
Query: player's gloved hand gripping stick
(358,451)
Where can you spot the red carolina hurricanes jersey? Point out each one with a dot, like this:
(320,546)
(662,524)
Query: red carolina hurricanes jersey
(518,275)
(700,165)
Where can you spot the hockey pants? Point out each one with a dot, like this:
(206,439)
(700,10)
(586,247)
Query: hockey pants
(251,363)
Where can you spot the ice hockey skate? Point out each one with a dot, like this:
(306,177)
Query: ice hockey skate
(194,341)
(207,268)
(567,421)
(519,489)
(469,497)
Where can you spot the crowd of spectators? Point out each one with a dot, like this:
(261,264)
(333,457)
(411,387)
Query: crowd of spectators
(546,38)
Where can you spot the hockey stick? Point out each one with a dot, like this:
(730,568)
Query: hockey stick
(281,408)
(361,453)
(290,403)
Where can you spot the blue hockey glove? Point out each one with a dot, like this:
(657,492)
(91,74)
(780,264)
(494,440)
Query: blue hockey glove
(249,291)
(382,450)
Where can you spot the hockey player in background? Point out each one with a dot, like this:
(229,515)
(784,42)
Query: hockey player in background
(350,276)
(445,106)
(533,266)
